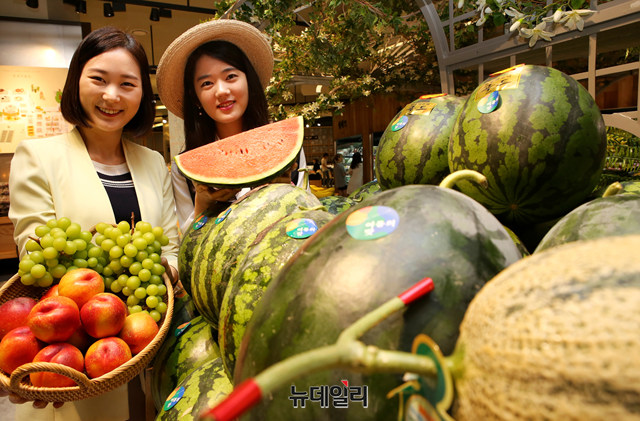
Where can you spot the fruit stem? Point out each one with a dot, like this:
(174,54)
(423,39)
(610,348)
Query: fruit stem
(613,189)
(452,179)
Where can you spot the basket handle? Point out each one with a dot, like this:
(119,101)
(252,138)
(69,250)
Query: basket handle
(15,382)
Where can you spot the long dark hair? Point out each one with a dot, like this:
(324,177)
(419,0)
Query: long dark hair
(355,160)
(201,129)
(98,42)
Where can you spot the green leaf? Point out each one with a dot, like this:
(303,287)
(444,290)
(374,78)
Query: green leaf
(577,4)
(498,19)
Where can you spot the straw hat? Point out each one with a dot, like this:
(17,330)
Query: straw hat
(170,73)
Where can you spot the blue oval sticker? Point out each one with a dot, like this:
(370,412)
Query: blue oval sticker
(489,103)
(301,228)
(372,222)
(223,216)
(173,398)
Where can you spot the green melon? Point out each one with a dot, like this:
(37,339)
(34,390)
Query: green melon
(238,227)
(201,389)
(413,148)
(335,278)
(542,149)
(263,262)
(247,159)
(555,337)
(604,217)
(187,346)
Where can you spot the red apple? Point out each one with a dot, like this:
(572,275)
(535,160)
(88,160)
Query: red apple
(53,291)
(14,313)
(60,353)
(54,319)
(80,285)
(18,347)
(103,315)
(139,329)
(104,355)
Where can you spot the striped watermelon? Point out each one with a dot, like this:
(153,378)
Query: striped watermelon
(365,190)
(229,239)
(203,223)
(201,389)
(413,148)
(186,348)
(335,278)
(542,149)
(263,262)
(337,204)
(604,217)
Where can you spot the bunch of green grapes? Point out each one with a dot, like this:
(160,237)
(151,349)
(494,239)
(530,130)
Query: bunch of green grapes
(58,247)
(133,268)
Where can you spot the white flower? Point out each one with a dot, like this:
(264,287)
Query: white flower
(573,19)
(558,15)
(483,18)
(535,33)
(460,4)
(515,25)
(366,92)
(339,105)
(514,13)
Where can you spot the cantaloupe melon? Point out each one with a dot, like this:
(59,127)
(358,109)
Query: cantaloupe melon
(555,336)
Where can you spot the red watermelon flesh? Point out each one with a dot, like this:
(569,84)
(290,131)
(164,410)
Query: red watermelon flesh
(247,159)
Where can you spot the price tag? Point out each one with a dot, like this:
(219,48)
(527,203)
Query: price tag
(372,222)
(424,398)
(503,81)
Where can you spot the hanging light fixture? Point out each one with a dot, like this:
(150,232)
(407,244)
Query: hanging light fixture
(32,4)
(108,10)
(155,14)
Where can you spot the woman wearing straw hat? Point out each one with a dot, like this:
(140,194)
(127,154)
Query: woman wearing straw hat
(213,76)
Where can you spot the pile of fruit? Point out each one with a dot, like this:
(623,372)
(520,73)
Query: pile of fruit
(75,324)
(129,259)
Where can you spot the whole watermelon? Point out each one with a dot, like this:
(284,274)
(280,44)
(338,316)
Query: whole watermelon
(366,190)
(335,278)
(604,217)
(190,239)
(413,148)
(186,348)
(542,149)
(263,262)
(235,230)
(337,204)
(201,389)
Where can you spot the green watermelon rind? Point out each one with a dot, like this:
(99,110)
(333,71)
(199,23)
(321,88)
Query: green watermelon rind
(257,268)
(542,150)
(238,142)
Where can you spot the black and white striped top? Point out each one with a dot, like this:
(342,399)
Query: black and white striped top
(118,183)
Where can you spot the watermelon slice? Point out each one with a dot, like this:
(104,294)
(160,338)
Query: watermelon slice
(247,159)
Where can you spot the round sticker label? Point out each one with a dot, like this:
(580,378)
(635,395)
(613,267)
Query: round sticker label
(301,228)
(223,216)
(180,329)
(372,222)
(399,123)
(173,398)
(419,409)
(199,223)
(489,102)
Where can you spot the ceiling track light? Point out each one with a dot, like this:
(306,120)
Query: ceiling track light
(81,6)
(165,13)
(32,4)
(107,10)
(119,6)
(155,14)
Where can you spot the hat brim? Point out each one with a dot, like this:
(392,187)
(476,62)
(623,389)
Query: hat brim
(170,73)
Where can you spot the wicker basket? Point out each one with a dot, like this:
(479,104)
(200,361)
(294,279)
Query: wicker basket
(19,383)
